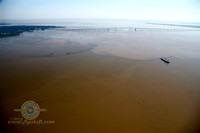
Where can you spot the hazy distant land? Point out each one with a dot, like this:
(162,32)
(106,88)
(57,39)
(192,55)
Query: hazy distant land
(7,31)
(4,24)
(179,25)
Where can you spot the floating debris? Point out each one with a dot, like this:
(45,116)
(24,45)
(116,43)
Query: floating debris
(51,54)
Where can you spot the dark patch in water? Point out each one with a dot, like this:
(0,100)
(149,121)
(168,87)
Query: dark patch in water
(51,54)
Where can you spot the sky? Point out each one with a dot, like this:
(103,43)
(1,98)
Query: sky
(161,10)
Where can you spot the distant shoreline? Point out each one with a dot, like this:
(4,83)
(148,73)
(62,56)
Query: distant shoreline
(188,26)
(9,31)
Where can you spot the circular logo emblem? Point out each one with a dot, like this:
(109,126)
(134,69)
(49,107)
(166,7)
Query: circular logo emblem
(30,110)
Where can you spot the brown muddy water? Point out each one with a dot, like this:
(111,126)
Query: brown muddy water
(105,84)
